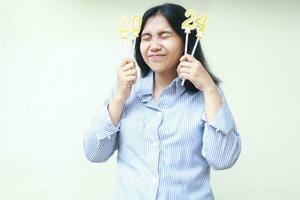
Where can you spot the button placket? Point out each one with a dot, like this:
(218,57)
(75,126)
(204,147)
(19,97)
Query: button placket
(155,144)
(159,114)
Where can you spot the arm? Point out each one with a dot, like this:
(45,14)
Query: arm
(221,141)
(101,137)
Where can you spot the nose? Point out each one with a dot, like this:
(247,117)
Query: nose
(155,46)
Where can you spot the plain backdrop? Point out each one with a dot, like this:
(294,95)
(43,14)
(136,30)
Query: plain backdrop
(58,59)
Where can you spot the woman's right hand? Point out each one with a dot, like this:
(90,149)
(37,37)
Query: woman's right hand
(126,78)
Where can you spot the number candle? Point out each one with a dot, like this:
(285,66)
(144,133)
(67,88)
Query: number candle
(188,25)
(123,31)
(136,23)
(201,26)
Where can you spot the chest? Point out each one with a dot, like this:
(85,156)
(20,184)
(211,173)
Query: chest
(169,122)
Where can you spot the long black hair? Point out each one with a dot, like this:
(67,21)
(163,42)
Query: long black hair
(175,15)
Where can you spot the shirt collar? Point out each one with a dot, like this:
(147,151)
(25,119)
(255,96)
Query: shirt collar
(144,88)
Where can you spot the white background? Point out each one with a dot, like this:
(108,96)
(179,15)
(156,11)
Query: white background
(58,59)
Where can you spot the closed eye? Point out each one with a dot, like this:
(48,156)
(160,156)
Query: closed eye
(165,35)
(146,38)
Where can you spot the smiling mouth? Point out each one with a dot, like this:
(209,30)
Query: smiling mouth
(156,57)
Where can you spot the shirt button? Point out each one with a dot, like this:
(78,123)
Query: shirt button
(154,180)
(158,114)
(155,144)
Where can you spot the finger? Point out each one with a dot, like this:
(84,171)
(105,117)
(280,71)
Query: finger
(184,76)
(183,58)
(130,72)
(186,64)
(130,78)
(181,71)
(184,70)
(180,66)
(188,58)
(126,61)
(127,67)
(133,82)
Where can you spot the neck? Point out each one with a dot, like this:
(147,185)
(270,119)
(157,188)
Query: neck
(162,80)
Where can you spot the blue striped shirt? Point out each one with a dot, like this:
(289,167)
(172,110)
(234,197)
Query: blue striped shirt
(167,148)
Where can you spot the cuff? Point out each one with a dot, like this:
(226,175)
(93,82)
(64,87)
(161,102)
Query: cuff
(223,120)
(106,127)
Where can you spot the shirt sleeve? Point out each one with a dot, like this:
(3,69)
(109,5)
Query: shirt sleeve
(101,136)
(221,140)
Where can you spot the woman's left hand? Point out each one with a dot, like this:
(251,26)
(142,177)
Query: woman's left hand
(191,69)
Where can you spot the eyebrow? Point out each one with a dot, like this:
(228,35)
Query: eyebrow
(160,33)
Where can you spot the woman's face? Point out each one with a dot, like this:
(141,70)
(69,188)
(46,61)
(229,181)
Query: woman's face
(161,47)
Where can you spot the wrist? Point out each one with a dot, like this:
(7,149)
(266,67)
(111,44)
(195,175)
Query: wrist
(119,99)
(211,89)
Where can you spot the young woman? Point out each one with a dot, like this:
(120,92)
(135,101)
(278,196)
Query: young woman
(168,136)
